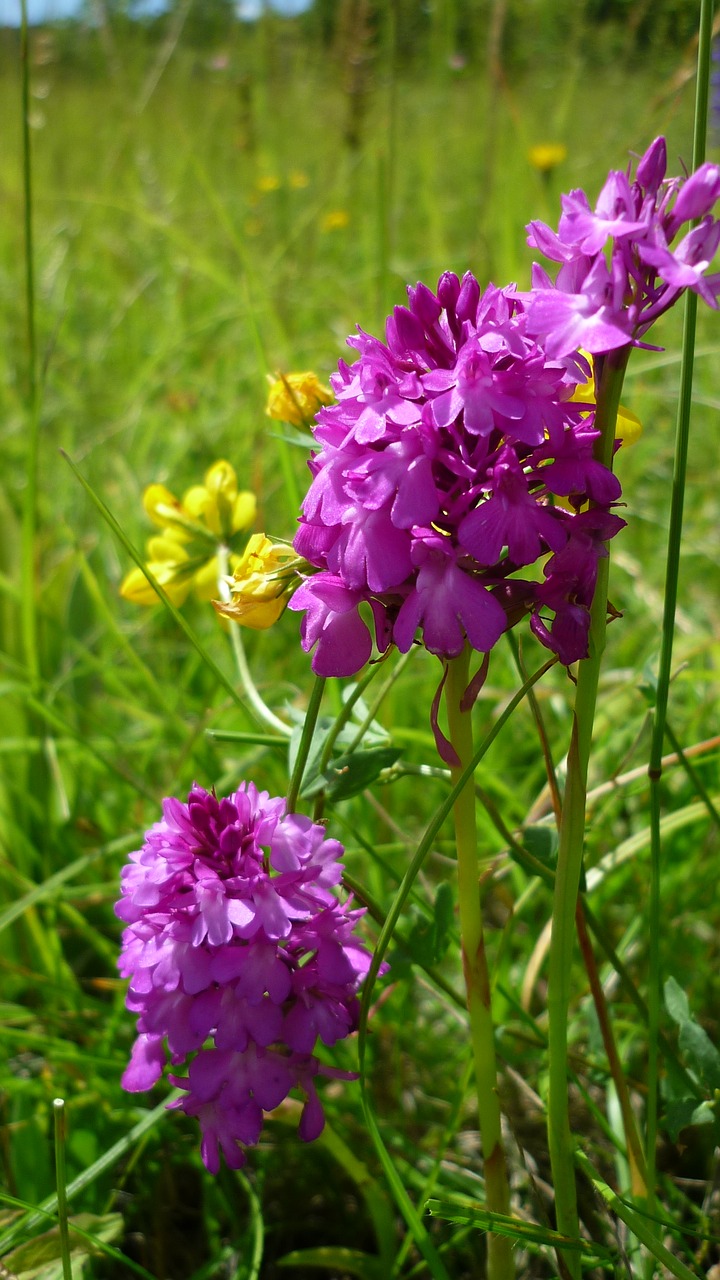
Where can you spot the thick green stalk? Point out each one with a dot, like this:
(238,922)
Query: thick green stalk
(570,853)
(672,571)
(477,979)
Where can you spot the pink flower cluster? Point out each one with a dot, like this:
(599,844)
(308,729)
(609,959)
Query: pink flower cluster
(235,937)
(437,480)
(455,456)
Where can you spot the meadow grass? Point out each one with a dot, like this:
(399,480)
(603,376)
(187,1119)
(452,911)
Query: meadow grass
(197,225)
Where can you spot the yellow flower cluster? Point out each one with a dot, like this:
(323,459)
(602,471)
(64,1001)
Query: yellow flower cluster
(261,584)
(296,398)
(183,556)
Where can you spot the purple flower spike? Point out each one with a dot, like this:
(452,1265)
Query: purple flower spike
(441,459)
(240,958)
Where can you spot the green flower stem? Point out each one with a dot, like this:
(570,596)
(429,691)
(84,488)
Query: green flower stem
(305,743)
(262,711)
(477,979)
(345,715)
(611,372)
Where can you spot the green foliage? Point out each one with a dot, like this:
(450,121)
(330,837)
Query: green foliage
(183,250)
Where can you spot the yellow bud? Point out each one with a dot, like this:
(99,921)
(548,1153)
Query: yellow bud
(196,503)
(296,398)
(244,511)
(217,503)
(221,480)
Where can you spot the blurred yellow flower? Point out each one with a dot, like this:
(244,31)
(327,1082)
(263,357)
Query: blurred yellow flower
(183,557)
(261,584)
(335,220)
(268,182)
(546,156)
(297,180)
(296,398)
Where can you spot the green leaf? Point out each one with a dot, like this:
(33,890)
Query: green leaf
(700,1053)
(694,1042)
(40,1259)
(678,1115)
(676,1002)
(542,842)
(351,774)
(428,940)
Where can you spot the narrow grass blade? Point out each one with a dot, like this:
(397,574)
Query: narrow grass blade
(50,887)
(637,1225)
(517,1228)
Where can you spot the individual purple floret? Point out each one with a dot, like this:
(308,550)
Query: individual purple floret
(436,484)
(240,958)
(621,263)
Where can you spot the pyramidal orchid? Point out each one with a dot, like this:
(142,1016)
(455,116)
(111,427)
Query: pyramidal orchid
(240,958)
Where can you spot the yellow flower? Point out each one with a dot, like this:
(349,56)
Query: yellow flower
(168,562)
(546,156)
(219,504)
(297,180)
(262,583)
(267,183)
(335,220)
(296,397)
(184,556)
(628,427)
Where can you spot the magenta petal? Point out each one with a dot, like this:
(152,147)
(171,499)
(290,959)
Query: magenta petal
(146,1064)
(312,1120)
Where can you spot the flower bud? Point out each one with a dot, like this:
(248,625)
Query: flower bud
(296,397)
